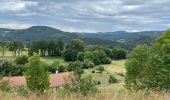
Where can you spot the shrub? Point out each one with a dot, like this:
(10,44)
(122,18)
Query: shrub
(106,60)
(22,60)
(56,66)
(112,79)
(21,90)
(84,86)
(62,68)
(5,86)
(98,82)
(88,64)
(93,71)
(100,69)
(36,75)
(77,67)
(8,68)
(52,68)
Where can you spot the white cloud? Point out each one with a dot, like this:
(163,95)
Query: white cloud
(71,29)
(15,5)
(15,26)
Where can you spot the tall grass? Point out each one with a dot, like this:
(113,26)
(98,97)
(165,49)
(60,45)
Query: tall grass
(102,96)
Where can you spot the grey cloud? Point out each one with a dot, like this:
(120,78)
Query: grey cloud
(86,15)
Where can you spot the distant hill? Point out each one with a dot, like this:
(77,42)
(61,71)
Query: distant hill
(120,35)
(123,39)
(36,33)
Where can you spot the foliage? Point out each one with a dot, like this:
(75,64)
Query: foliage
(118,53)
(149,68)
(84,86)
(72,50)
(135,65)
(51,48)
(112,79)
(5,86)
(77,67)
(80,56)
(56,66)
(36,75)
(16,47)
(21,90)
(70,55)
(8,68)
(21,60)
(106,60)
(88,64)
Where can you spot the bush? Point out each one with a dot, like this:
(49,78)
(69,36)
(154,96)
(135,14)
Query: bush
(80,56)
(77,67)
(5,86)
(8,68)
(84,86)
(52,68)
(61,68)
(98,82)
(56,66)
(93,71)
(22,60)
(118,53)
(36,75)
(106,60)
(112,79)
(21,90)
(100,69)
(88,64)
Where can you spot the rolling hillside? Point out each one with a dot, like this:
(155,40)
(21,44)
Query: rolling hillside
(36,33)
(123,39)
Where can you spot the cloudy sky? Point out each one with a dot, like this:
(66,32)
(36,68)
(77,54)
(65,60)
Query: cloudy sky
(86,15)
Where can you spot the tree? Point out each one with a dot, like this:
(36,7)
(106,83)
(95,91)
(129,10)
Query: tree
(158,70)
(149,68)
(36,75)
(60,47)
(16,47)
(80,56)
(70,55)
(135,66)
(3,48)
(118,53)
(77,44)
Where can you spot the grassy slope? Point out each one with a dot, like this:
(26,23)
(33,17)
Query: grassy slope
(114,68)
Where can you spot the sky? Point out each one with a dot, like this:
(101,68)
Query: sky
(86,15)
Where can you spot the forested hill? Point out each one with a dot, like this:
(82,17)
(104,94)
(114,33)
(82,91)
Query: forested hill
(36,33)
(110,39)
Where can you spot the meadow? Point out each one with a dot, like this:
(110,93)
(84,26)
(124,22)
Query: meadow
(107,91)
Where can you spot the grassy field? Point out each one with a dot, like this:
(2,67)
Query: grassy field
(115,68)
